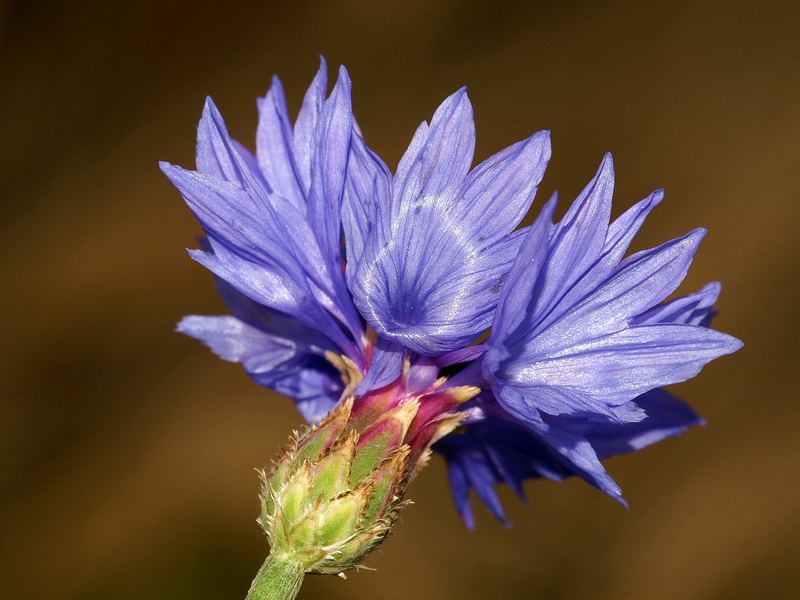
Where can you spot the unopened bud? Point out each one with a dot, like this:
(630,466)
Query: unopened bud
(336,490)
(335,493)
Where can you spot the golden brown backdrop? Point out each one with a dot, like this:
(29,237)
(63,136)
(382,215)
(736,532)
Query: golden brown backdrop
(127,451)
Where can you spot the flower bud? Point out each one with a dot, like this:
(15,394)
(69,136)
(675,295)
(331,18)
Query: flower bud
(335,493)
(336,490)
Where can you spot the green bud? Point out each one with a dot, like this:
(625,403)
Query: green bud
(335,492)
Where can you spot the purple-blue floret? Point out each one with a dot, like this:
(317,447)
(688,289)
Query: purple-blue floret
(320,250)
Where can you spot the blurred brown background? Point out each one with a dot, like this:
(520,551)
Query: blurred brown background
(127,451)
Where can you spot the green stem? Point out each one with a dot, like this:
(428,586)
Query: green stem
(279,578)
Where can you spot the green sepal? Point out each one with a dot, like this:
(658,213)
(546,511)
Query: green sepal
(322,437)
(294,497)
(330,476)
(387,481)
(339,520)
(303,534)
(379,441)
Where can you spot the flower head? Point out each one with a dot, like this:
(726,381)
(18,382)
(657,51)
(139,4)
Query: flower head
(348,283)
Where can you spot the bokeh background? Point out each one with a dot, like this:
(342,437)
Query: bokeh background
(127,451)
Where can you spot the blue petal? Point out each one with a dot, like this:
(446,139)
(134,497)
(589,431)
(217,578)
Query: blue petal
(328,168)
(408,162)
(467,354)
(217,156)
(469,467)
(367,191)
(306,123)
(249,159)
(290,365)
(328,173)
(577,241)
(561,399)
(439,157)
(499,191)
(263,244)
(252,254)
(235,341)
(311,381)
(439,252)
(275,323)
(421,375)
(459,484)
(622,231)
(385,367)
(581,457)
(667,416)
(579,333)
(428,293)
(572,449)
(635,286)
(270,287)
(515,302)
(274,146)
(266,229)
(581,254)
(618,239)
(493,451)
(616,368)
(517,452)
(534,319)
(501,449)
(694,309)
(315,387)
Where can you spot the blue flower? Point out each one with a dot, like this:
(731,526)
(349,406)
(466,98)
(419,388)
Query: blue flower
(344,279)
(268,221)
